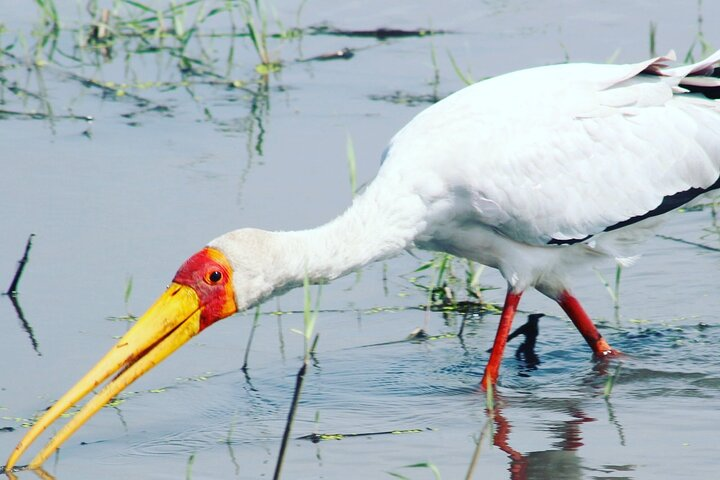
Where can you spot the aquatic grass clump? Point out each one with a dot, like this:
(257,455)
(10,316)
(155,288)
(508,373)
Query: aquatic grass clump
(194,44)
(180,30)
(443,291)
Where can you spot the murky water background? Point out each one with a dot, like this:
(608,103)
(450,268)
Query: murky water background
(142,186)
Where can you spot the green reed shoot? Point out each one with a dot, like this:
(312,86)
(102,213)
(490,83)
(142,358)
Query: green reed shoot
(178,20)
(49,13)
(653,36)
(489,397)
(466,78)
(486,430)
(352,164)
(309,316)
(126,298)
(610,383)
(128,291)
(435,82)
(442,267)
(259,35)
(472,279)
(618,272)
(700,41)
(613,290)
(188,469)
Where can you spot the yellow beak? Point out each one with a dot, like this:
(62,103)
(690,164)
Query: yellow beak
(168,324)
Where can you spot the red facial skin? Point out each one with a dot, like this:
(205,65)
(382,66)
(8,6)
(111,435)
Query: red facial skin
(210,275)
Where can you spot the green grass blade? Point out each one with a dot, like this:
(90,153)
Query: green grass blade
(140,6)
(128,290)
(610,383)
(466,78)
(352,164)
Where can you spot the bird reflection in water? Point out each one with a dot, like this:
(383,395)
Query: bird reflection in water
(561,463)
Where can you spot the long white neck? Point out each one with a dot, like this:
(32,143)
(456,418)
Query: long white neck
(380,223)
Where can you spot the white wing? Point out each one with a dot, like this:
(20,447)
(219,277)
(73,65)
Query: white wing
(557,154)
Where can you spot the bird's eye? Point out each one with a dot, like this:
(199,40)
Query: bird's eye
(215,276)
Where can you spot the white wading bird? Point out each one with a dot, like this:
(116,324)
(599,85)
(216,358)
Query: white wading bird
(532,173)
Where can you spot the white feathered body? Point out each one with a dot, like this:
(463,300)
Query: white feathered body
(525,171)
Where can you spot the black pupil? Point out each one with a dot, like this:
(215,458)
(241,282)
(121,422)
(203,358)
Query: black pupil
(215,276)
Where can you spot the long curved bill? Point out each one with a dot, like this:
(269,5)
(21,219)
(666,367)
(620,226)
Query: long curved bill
(168,324)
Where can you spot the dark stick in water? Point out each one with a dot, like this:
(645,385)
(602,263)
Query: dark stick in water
(291,414)
(12,290)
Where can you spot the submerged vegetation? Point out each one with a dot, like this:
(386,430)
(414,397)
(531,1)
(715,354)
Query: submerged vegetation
(235,44)
(446,280)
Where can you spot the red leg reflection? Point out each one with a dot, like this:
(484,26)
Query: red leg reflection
(540,464)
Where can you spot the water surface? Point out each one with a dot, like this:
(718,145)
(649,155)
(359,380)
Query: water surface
(148,181)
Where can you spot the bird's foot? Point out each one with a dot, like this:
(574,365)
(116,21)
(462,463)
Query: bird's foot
(609,353)
(602,349)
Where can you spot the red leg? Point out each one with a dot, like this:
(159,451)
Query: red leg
(585,325)
(493,367)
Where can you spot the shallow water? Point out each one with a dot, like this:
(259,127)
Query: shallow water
(138,189)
